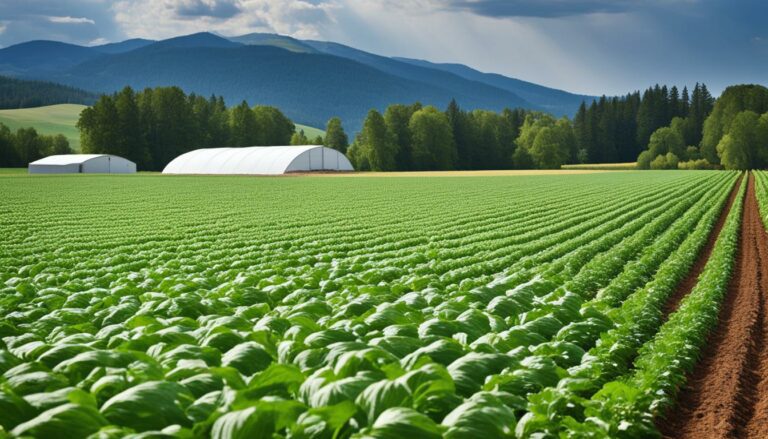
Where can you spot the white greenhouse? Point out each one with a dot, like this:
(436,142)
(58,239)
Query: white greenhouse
(259,160)
(82,164)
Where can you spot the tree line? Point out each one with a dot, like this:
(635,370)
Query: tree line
(617,129)
(20,93)
(733,135)
(25,145)
(416,137)
(153,126)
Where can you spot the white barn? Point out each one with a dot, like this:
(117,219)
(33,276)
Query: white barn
(82,164)
(259,160)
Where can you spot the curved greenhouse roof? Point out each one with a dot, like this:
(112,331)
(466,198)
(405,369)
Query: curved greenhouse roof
(259,160)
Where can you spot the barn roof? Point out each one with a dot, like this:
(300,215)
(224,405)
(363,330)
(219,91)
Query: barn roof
(67,159)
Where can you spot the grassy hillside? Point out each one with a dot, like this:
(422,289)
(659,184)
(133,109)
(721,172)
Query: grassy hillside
(310,132)
(61,119)
(53,119)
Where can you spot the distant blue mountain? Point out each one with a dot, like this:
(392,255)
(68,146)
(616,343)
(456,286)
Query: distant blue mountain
(38,58)
(550,99)
(311,81)
(464,91)
(281,41)
(124,46)
(201,39)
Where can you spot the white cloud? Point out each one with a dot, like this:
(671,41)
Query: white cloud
(98,42)
(168,18)
(629,45)
(71,20)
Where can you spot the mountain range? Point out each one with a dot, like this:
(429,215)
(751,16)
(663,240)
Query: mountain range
(311,81)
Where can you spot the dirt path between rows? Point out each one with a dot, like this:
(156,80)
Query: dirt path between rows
(727,393)
(687,284)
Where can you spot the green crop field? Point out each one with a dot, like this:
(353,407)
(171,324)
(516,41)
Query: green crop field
(62,119)
(412,307)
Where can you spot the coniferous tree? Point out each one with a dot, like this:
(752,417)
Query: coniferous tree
(8,156)
(581,133)
(175,123)
(675,108)
(129,142)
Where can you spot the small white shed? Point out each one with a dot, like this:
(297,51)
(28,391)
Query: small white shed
(82,164)
(259,160)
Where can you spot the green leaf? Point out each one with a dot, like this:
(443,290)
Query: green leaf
(383,395)
(325,337)
(201,409)
(249,358)
(277,380)
(36,382)
(263,419)
(79,366)
(149,406)
(203,383)
(323,422)
(469,372)
(335,392)
(13,409)
(484,417)
(400,422)
(108,386)
(48,400)
(65,421)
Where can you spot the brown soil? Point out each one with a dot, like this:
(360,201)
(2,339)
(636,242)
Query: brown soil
(727,393)
(686,285)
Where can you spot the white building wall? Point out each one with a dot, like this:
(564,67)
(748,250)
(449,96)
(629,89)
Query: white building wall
(98,165)
(300,163)
(73,168)
(316,159)
(118,165)
(82,163)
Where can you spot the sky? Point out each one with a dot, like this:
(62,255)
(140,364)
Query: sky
(586,46)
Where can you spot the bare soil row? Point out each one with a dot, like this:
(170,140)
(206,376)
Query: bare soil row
(726,396)
(687,284)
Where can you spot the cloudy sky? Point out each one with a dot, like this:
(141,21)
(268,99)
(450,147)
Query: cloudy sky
(587,46)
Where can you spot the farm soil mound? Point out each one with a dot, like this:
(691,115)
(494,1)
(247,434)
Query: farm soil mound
(727,393)
(686,285)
